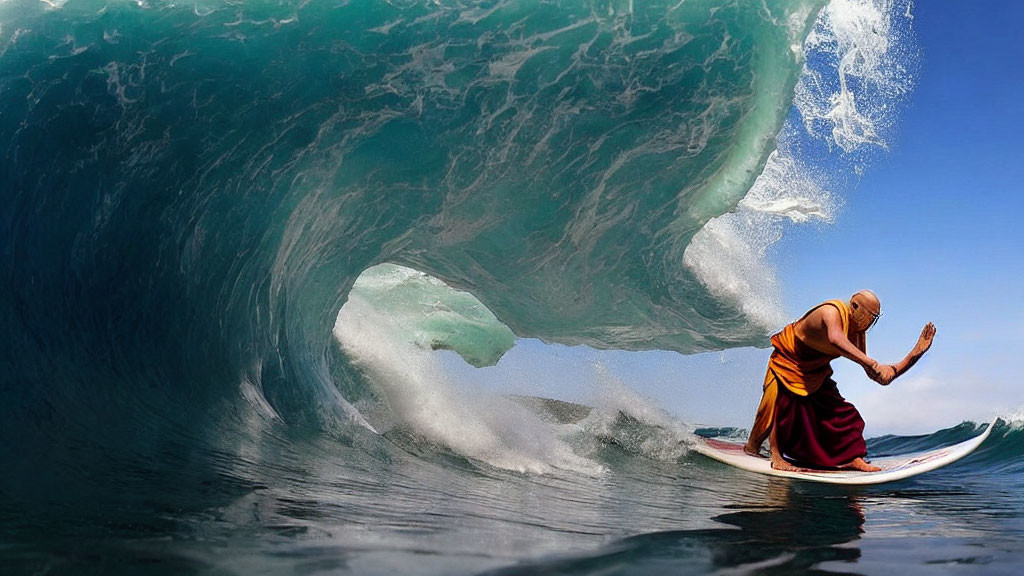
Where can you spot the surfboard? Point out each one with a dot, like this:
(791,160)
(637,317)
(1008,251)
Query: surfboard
(730,451)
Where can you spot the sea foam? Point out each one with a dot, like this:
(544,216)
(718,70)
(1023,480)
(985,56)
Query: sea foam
(421,396)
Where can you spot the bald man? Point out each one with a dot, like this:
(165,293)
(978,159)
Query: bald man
(808,423)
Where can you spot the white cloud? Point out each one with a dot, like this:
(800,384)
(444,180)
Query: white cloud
(923,403)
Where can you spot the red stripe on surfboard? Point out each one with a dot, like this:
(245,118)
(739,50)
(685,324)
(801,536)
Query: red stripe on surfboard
(724,446)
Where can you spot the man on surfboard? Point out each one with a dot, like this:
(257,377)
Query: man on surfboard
(801,410)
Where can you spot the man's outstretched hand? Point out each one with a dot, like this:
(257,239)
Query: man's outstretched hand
(925,341)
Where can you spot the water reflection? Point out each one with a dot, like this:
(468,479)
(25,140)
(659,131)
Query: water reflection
(785,528)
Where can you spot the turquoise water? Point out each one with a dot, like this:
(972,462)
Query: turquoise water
(206,368)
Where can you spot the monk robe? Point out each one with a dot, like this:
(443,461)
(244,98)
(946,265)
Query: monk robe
(815,426)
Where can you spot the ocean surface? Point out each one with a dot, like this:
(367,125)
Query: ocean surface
(235,238)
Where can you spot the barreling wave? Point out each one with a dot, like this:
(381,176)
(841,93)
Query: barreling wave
(191,192)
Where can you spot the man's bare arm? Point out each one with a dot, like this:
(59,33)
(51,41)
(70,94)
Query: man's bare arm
(924,342)
(875,370)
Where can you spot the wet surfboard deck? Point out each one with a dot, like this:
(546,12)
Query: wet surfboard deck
(897,467)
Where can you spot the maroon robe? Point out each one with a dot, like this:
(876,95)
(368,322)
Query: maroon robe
(820,430)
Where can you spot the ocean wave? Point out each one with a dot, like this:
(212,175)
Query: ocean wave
(191,193)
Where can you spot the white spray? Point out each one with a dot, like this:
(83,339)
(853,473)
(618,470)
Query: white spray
(490,429)
(857,68)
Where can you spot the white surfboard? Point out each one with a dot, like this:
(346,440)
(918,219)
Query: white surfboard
(730,451)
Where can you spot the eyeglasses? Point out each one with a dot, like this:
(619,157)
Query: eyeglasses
(874,317)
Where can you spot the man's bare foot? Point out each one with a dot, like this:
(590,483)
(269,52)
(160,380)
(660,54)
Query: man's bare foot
(752,450)
(779,464)
(860,464)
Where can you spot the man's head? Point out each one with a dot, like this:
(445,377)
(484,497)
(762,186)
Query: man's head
(865,308)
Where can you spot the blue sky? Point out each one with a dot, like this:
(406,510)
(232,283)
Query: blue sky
(934,227)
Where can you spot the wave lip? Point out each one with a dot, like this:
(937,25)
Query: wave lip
(573,199)
(433,316)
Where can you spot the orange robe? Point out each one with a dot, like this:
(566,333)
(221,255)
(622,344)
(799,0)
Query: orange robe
(811,399)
